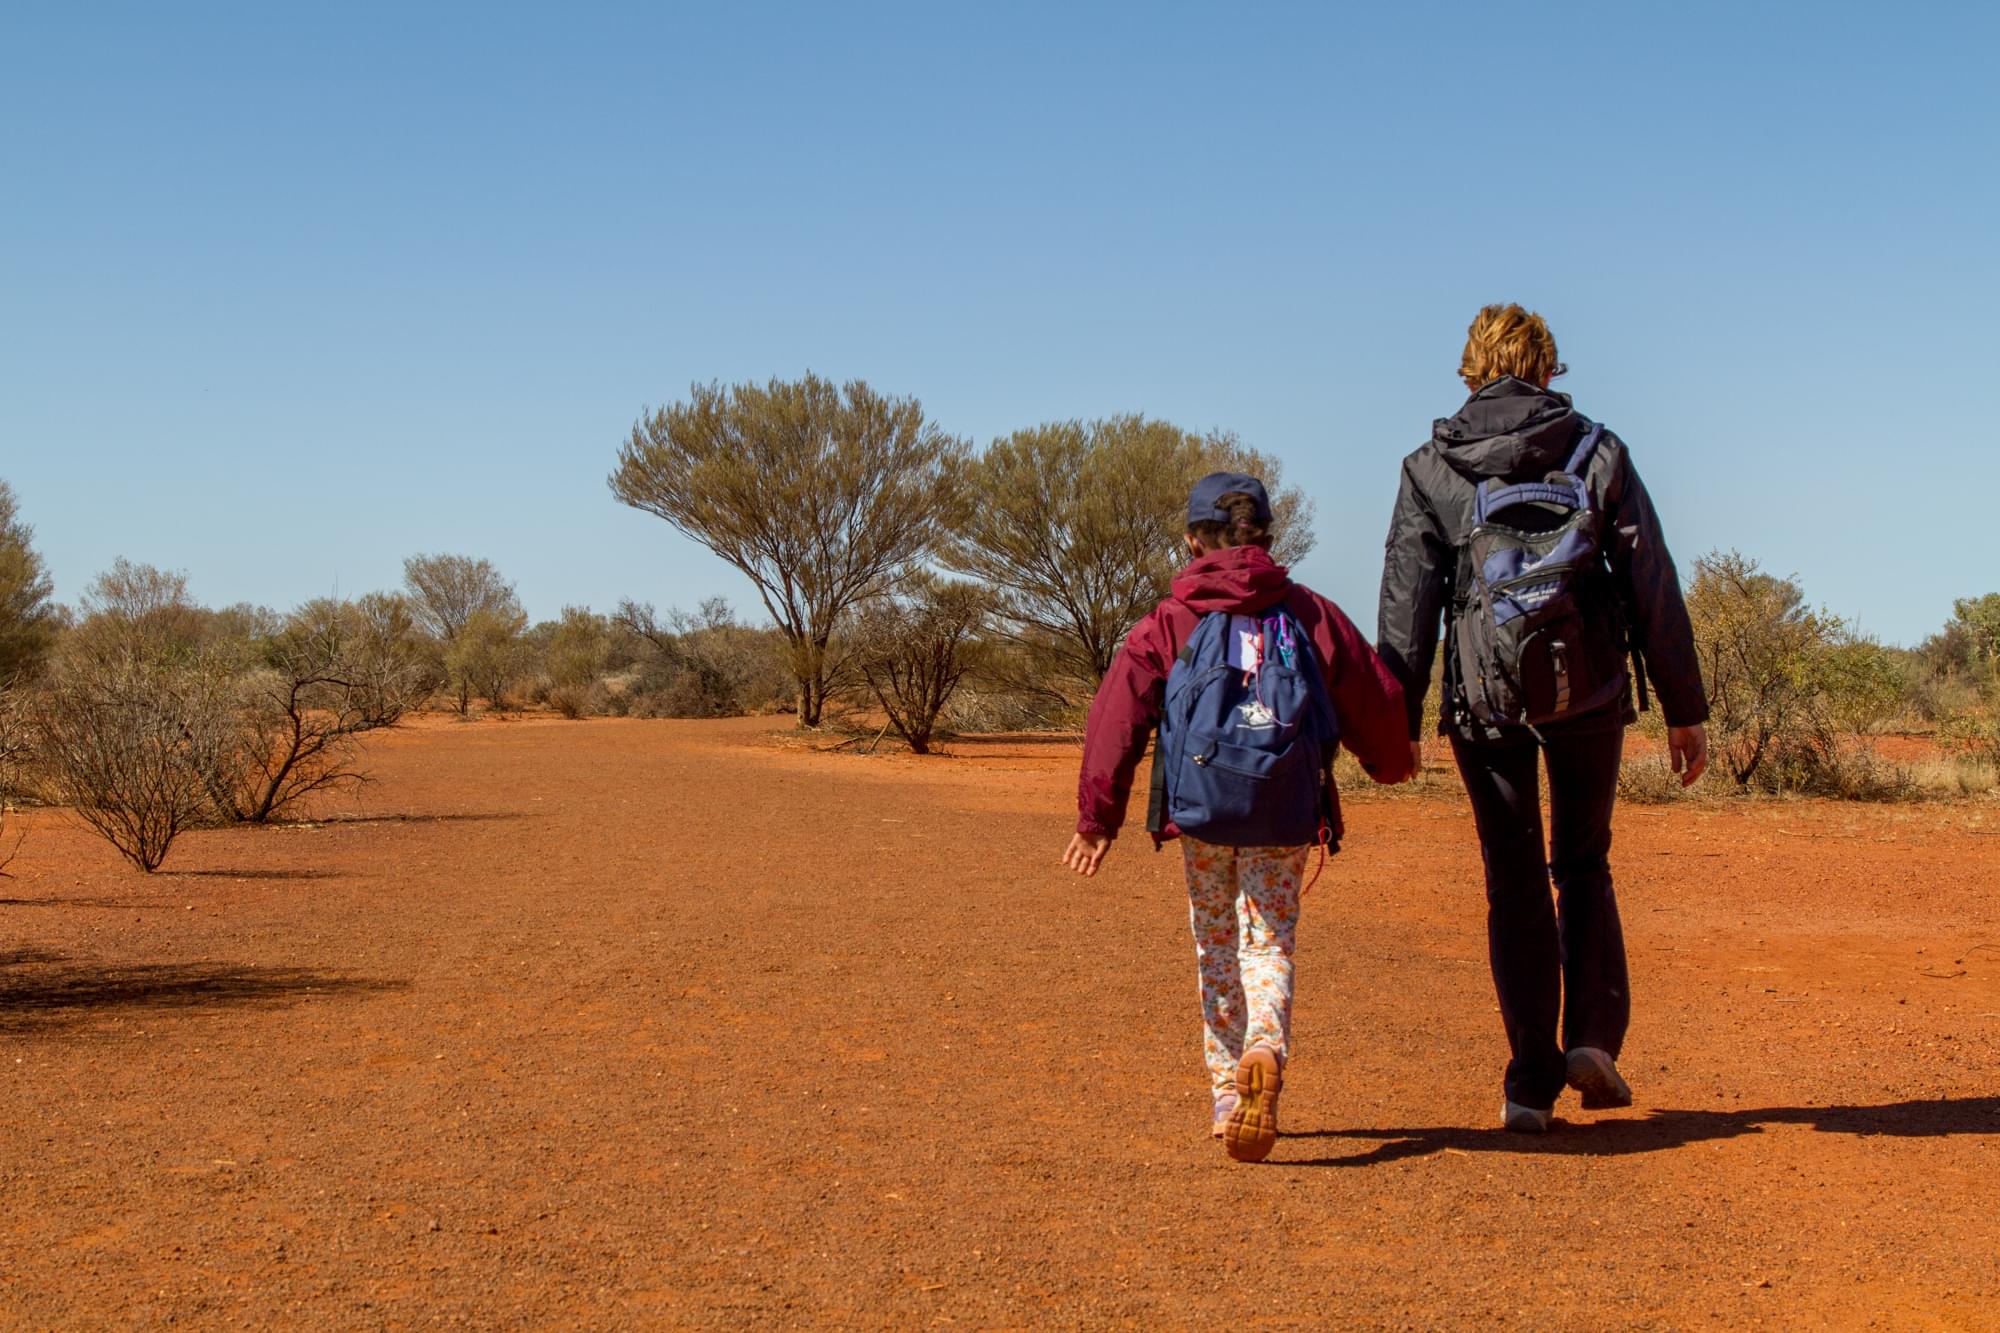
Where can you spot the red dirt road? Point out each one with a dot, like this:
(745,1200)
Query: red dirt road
(622,1024)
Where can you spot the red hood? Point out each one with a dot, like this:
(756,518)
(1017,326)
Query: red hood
(1238,579)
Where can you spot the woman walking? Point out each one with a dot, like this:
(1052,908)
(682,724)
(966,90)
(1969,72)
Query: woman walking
(1523,529)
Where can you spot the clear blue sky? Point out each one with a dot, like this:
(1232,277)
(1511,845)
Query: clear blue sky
(290,292)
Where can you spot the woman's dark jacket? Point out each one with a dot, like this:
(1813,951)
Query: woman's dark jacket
(1516,431)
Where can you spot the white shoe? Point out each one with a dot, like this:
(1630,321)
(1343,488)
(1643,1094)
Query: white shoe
(1525,1119)
(1594,1073)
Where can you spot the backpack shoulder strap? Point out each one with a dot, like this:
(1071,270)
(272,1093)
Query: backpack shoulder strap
(1197,622)
(1580,458)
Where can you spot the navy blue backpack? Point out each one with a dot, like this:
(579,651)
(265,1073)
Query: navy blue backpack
(1246,754)
(1535,634)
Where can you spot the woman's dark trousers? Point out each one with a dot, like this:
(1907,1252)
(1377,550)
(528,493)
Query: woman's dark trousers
(1564,958)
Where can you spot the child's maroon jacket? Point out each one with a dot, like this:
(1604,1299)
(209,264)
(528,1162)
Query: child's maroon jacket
(1243,580)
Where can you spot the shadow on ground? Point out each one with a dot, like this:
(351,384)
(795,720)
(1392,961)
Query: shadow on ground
(41,991)
(1664,1129)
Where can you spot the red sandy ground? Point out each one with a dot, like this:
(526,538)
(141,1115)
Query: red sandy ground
(621,1024)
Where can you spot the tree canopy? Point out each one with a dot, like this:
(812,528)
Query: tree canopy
(28,619)
(820,494)
(1078,525)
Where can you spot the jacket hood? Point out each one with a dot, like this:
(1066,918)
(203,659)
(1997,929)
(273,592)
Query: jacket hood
(1239,579)
(1510,428)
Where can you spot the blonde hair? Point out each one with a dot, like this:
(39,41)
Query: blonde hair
(1507,340)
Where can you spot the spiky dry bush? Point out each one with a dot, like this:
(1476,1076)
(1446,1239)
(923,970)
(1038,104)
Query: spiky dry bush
(332,671)
(117,742)
(914,649)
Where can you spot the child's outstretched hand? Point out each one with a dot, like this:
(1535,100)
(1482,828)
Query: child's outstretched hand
(1084,852)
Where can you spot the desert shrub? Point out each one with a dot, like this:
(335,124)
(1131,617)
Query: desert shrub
(1649,779)
(157,714)
(700,664)
(590,699)
(916,647)
(573,654)
(1780,674)
(1862,683)
(578,647)
(1974,731)
(12,745)
(1078,527)
(116,740)
(1975,623)
(332,671)
(973,710)
(29,620)
(137,613)
(486,657)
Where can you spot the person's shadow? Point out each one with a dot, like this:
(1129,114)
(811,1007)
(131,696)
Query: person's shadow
(1655,1131)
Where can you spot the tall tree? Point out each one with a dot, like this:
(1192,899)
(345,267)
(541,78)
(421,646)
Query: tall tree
(446,591)
(818,493)
(28,619)
(1978,619)
(1078,525)
(448,594)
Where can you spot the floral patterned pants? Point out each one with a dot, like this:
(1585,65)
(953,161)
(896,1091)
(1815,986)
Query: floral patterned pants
(1243,906)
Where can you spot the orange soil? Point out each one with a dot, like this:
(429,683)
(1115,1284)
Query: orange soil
(618,1023)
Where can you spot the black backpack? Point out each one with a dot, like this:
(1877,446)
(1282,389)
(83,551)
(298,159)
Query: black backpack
(1537,635)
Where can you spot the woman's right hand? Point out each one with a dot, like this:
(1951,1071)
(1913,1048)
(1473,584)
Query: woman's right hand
(1687,750)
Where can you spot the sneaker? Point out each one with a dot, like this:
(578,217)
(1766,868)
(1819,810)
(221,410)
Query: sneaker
(1252,1126)
(1525,1119)
(1225,1105)
(1593,1073)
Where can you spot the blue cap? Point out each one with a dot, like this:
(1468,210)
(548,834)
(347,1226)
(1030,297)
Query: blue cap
(1204,501)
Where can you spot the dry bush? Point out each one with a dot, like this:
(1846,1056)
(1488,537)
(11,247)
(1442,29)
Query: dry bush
(703,664)
(115,741)
(574,652)
(577,648)
(1788,684)
(1649,779)
(915,648)
(486,658)
(158,715)
(12,745)
(578,701)
(974,710)
(333,671)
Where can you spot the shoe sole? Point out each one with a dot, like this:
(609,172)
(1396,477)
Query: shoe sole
(1252,1127)
(1598,1081)
(1524,1119)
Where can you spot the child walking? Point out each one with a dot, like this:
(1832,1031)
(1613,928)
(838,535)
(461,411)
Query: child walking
(1270,673)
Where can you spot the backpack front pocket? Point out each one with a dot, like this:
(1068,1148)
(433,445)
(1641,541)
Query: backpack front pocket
(1557,675)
